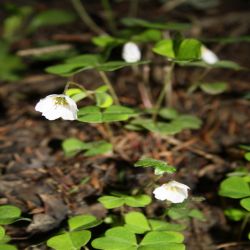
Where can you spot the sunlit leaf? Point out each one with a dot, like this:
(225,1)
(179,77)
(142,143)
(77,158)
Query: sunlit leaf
(245,203)
(116,238)
(83,222)
(235,214)
(160,167)
(136,222)
(76,94)
(9,214)
(234,187)
(70,240)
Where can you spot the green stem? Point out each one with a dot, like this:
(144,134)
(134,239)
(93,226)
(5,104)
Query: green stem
(166,91)
(109,15)
(197,81)
(83,14)
(109,85)
(243,225)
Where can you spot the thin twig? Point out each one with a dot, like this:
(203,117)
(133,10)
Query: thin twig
(109,15)
(83,14)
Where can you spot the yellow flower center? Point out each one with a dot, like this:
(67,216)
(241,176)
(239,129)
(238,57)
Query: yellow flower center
(61,101)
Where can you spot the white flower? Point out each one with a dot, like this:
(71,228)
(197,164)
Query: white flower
(208,56)
(56,106)
(131,52)
(173,191)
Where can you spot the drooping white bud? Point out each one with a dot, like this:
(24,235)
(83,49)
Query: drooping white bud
(131,52)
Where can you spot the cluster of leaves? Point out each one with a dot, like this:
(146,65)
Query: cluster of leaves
(16,26)
(8,215)
(237,186)
(170,123)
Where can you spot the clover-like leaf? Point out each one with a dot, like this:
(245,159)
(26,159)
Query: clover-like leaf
(9,214)
(76,94)
(245,203)
(159,225)
(160,167)
(83,222)
(136,222)
(162,240)
(70,240)
(116,238)
(234,187)
(214,88)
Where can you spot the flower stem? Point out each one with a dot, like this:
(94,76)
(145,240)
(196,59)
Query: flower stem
(166,91)
(109,85)
(109,15)
(83,14)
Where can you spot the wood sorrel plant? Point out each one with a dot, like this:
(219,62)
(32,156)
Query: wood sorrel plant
(236,186)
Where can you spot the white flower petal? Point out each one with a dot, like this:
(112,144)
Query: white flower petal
(54,106)
(131,52)
(208,56)
(172,191)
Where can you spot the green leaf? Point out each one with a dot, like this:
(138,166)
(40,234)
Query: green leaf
(165,48)
(158,225)
(189,49)
(160,167)
(214,88)
(115,65)
(138,200)
(168,113)
(235,214)
(76,94)
(117,113)
(2,233)
(187,122)
(110,202)
(98,148)
(10,65)
(106,41)
(220,64)
(9,214)
(136,22)
(186,50)
(103,100)
(93,114)
(245,203)
(177,213)
(247,156)
(90,60)
(83,222)
(197,214)
(50,18)
(72,146)
(234,187)
(136,222)
(70,240)
(67,69)
(117,238)
(90,114)
(7,247)
(162,240)
(150,35)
